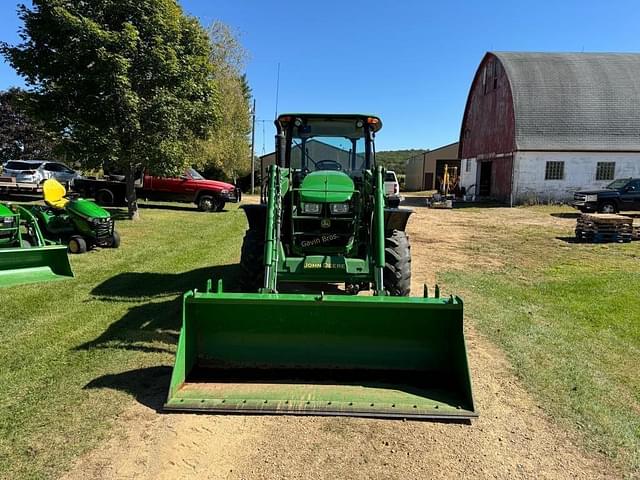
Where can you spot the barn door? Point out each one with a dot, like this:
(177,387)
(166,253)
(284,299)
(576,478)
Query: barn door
(485,179)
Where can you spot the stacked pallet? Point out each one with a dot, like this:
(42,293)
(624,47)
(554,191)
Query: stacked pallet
(604,227)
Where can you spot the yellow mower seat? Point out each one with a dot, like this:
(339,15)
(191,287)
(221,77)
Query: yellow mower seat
(54,193)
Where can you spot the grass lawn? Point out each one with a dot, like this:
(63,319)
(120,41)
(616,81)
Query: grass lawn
(60,342)
(568,317)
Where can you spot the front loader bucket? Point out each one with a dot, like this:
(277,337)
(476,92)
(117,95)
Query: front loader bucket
(322,355)
(30,265)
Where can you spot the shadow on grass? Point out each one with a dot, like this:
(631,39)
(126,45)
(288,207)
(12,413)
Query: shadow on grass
(577,214)
(118,214)
(570,240)
(566,215)
(147,385)
(138,285)
(175,208)
(153,326)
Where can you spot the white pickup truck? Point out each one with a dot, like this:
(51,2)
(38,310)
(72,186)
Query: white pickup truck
(392,189)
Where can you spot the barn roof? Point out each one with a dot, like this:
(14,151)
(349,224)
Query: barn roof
(575,101)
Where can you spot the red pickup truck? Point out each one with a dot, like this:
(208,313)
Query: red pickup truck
(208,195)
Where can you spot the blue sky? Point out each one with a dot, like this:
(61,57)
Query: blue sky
(411,62)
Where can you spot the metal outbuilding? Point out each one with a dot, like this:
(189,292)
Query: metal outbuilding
(424,171)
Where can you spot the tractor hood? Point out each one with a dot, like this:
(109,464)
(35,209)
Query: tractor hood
(87,209)
(326,186)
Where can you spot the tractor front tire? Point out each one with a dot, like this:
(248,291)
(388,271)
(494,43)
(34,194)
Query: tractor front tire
(252,261)
(77,245)
(115,240)
(397,264)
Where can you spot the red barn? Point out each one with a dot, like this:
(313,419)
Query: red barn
(538,126)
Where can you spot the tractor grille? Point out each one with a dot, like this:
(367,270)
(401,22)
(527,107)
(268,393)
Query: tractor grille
(104,231)
(310,236)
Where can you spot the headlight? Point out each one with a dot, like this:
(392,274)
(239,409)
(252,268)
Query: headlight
(224,192)
(591,198)
(339,208)
(311,208)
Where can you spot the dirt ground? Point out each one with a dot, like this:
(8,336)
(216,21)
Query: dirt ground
(512,438)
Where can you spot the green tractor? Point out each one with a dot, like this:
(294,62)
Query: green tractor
(275,349)
(25,255)
(78,222)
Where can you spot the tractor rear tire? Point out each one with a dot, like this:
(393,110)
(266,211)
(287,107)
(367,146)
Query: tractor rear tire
(252,261)
(397,264)
(77,244)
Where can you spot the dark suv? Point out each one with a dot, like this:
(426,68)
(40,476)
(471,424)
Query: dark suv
(619,195)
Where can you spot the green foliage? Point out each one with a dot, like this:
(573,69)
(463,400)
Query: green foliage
(127,82)
(396,159)
(228,149)
(22,137)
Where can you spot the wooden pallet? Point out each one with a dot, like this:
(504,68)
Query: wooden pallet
(604,227)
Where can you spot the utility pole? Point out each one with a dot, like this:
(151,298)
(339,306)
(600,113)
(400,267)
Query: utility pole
(253,148)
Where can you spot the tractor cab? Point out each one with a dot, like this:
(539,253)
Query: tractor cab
(330,159)
(319,142)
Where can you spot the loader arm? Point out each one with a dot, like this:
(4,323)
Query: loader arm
(273,251)
(378,223)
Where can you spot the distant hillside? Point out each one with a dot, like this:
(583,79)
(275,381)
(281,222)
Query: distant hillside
(395,159)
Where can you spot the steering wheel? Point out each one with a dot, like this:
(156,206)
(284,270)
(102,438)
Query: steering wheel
(328,165)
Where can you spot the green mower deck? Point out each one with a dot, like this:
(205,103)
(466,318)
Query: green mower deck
(322,354)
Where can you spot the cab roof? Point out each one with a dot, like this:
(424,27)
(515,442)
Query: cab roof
(373,120)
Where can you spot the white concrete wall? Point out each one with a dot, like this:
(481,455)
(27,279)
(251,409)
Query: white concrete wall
(468,178)
(579,173)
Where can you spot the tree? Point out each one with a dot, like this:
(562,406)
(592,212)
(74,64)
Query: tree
(228,149)
(128,83)
(22,137)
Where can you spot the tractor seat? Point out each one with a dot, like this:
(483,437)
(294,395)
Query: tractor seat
(54,194)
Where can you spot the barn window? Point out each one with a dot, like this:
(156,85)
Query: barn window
(467,166)
(605,170)
(554,171)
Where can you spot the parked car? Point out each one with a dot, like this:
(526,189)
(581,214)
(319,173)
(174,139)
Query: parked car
(37,171)
(619,195)
(392,188)
(191,187)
